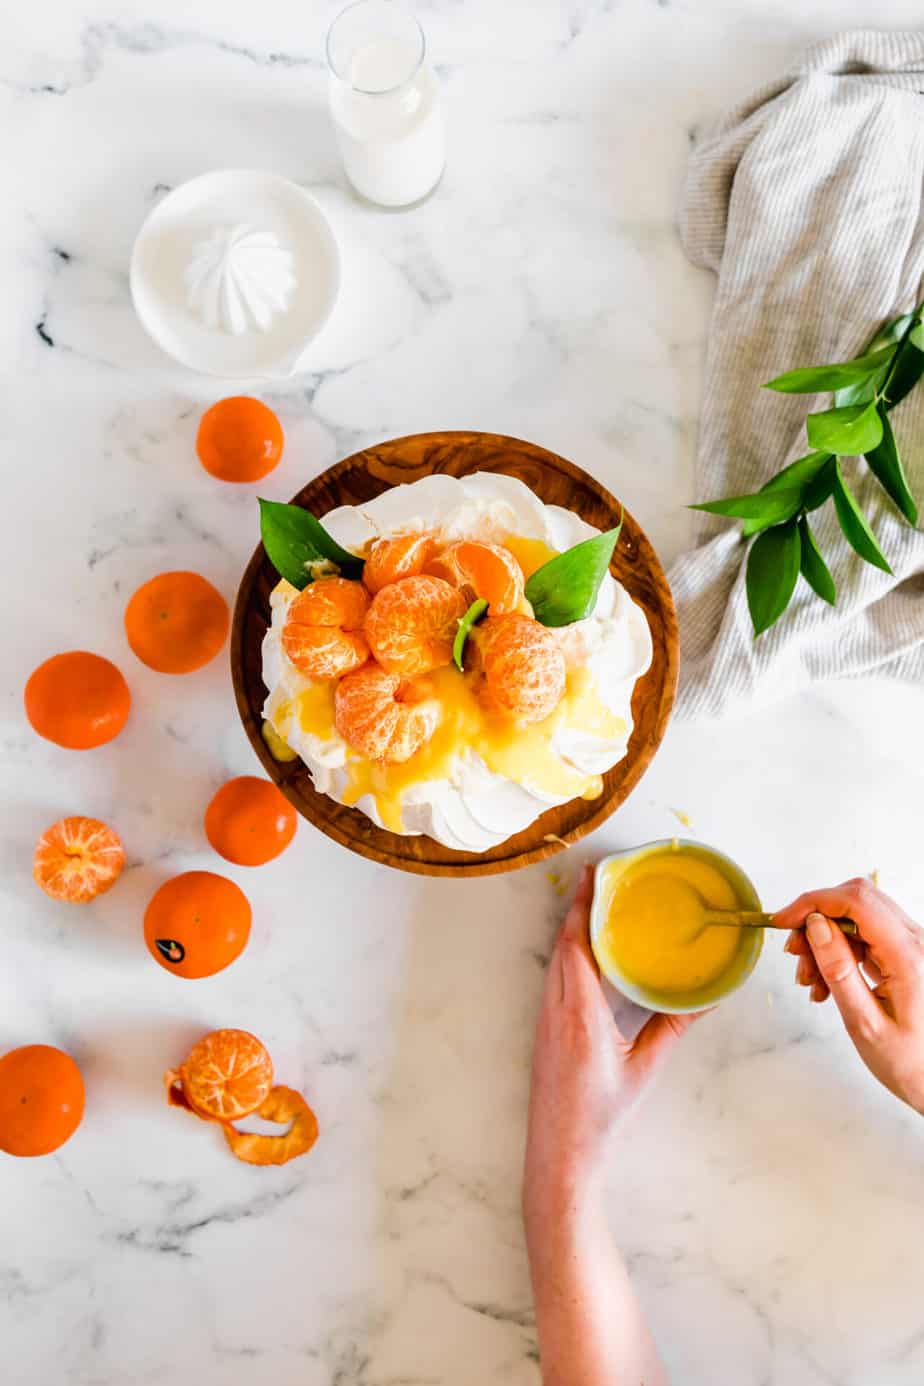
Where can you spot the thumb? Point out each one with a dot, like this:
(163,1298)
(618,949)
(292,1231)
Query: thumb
(838,966)
(656,1039)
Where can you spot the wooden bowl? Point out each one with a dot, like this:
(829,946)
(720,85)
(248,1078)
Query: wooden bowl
(355,481)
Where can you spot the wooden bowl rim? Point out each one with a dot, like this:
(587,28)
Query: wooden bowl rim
(449,862)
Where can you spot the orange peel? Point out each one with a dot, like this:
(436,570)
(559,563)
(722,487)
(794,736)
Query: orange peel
(281,1105)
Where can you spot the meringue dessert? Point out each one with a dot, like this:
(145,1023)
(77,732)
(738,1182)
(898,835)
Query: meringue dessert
(425,692)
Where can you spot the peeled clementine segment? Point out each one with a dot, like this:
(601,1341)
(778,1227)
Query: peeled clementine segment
(524,668)
(383,717)
(77,859)
(228,1074)
(491,572)
(388,560)
(324,652)
(331,601)
(412,623)
(282,1105)
(322,634)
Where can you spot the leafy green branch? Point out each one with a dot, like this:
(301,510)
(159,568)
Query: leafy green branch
(865,390)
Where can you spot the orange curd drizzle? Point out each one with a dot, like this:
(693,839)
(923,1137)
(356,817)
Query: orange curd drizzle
(524,754)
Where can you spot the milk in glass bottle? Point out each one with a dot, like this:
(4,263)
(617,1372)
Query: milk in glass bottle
(385,103)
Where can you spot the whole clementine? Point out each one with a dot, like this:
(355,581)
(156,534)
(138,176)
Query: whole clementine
(239,439)
(77,700)
(197,923)
(249,822)
(177,622)
(41,1100)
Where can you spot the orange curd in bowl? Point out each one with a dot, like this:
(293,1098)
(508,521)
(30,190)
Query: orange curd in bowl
(654,934)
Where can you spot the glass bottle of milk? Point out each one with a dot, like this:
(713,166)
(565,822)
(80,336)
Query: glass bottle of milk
(385,103)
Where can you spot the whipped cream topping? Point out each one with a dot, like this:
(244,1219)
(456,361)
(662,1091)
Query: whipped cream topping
(239,279)
(473,808)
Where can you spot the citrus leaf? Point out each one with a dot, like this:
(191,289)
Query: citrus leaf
(772,571)
(770,507)
(864,390)
(471,618)
(813,566)
(800,473)
(565,589)
(853,429)
(886,466)
(812,380)
(916,336)
(855,524)
(295,540)
(797,473)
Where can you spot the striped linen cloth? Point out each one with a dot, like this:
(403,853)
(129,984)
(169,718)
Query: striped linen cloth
(808,204)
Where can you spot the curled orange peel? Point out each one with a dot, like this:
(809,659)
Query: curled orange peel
(282,1105)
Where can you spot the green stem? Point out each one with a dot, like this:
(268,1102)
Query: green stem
(912,324)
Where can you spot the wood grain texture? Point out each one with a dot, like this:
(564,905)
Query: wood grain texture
(357,480)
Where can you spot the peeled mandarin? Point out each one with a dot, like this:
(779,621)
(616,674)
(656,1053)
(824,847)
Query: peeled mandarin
(77,859)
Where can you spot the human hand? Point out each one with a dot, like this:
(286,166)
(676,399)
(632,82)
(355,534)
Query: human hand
(586,1074)
(877,979)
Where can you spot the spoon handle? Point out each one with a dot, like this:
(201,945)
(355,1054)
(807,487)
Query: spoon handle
(760,919)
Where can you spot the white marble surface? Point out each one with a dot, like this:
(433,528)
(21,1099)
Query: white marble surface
(769,1195)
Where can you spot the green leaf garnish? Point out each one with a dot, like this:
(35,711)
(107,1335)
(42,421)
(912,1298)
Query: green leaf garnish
(812,380)
(772,571)
(766,507)
(295,542)
(886,466)
(855,524)
(463,630)
(813,566)
(850,430)
(565,589)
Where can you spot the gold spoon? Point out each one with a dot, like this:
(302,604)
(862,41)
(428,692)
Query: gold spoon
(760,919)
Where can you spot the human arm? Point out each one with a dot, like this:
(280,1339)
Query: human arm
(586,1077)
(876,979)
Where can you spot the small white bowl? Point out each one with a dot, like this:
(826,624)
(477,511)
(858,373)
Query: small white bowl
(185,217)
(738,971)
